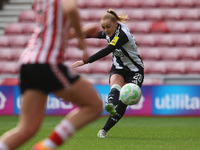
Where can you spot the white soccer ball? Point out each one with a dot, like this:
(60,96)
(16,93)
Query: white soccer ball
(130,94)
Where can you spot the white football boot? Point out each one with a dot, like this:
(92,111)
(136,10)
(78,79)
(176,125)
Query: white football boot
(102,133)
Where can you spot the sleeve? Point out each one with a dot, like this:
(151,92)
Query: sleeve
(100,54)
(101,35)
(119,40)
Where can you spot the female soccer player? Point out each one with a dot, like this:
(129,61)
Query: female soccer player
(127,66)
(42,72)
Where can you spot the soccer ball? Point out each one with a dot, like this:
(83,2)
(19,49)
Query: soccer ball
(130,94)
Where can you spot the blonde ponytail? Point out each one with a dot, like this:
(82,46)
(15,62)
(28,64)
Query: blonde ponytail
(114,17)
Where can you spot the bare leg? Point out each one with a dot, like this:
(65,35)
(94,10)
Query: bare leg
(84,95)
(32,110)
(116,79)
(120,107)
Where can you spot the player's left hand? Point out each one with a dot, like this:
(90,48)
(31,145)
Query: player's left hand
(78,64)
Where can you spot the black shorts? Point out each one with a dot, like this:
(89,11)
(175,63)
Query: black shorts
(129,76)
(45,77)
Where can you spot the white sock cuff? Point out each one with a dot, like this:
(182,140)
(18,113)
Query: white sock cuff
(3,146)
(69,125)
(116,86)
(65,129)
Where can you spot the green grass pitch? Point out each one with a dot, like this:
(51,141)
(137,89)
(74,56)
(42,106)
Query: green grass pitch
(131,133)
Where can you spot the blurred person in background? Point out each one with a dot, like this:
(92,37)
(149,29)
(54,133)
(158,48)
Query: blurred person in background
(127,66)
(42,72)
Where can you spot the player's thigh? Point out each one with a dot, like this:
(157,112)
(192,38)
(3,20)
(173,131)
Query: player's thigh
(81,93)
(116,79)
(32,109)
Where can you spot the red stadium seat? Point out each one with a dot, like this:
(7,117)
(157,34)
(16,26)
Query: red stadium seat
(4,41)
(17,52)
(193,26)
(183,40)
(14,28)
(191,14)
(26,16)
(19,41)
(72,42)
(101,67)
(82,3)
(172,14)
(96,4)
(5,54)
(92,50)
(196,3)
(192,67)
(85,15)
(9,67)
(92,14)
(155,67)
(29,28)
(185,3)
(196,39)
(145,40)
(150,53)
(154,14)
(131,3)
(167,3)
(149,3)
(10,53)
(170,54)
(159,26)
(113,3)
(73,53)
(136,14)
(141,27)
(176,67)
(19,28)
(191,53)
(14,41)
(164,40)
(176,26)
(96,14)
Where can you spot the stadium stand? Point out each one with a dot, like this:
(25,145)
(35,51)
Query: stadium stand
(167,32)
(19,28)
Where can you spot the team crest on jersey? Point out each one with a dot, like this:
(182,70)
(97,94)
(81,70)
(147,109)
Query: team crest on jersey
(118,53)
(114,41)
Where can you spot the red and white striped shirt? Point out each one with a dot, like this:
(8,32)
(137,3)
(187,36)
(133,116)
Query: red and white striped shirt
(47,44)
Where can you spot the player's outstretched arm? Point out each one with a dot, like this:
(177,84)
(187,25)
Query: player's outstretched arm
(78,64)
(90,30)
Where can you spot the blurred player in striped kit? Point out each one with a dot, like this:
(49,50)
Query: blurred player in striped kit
(42,71)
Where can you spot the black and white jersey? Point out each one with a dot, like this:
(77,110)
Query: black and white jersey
(125,51)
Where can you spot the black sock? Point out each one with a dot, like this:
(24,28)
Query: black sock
(113,96)
(112,120)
